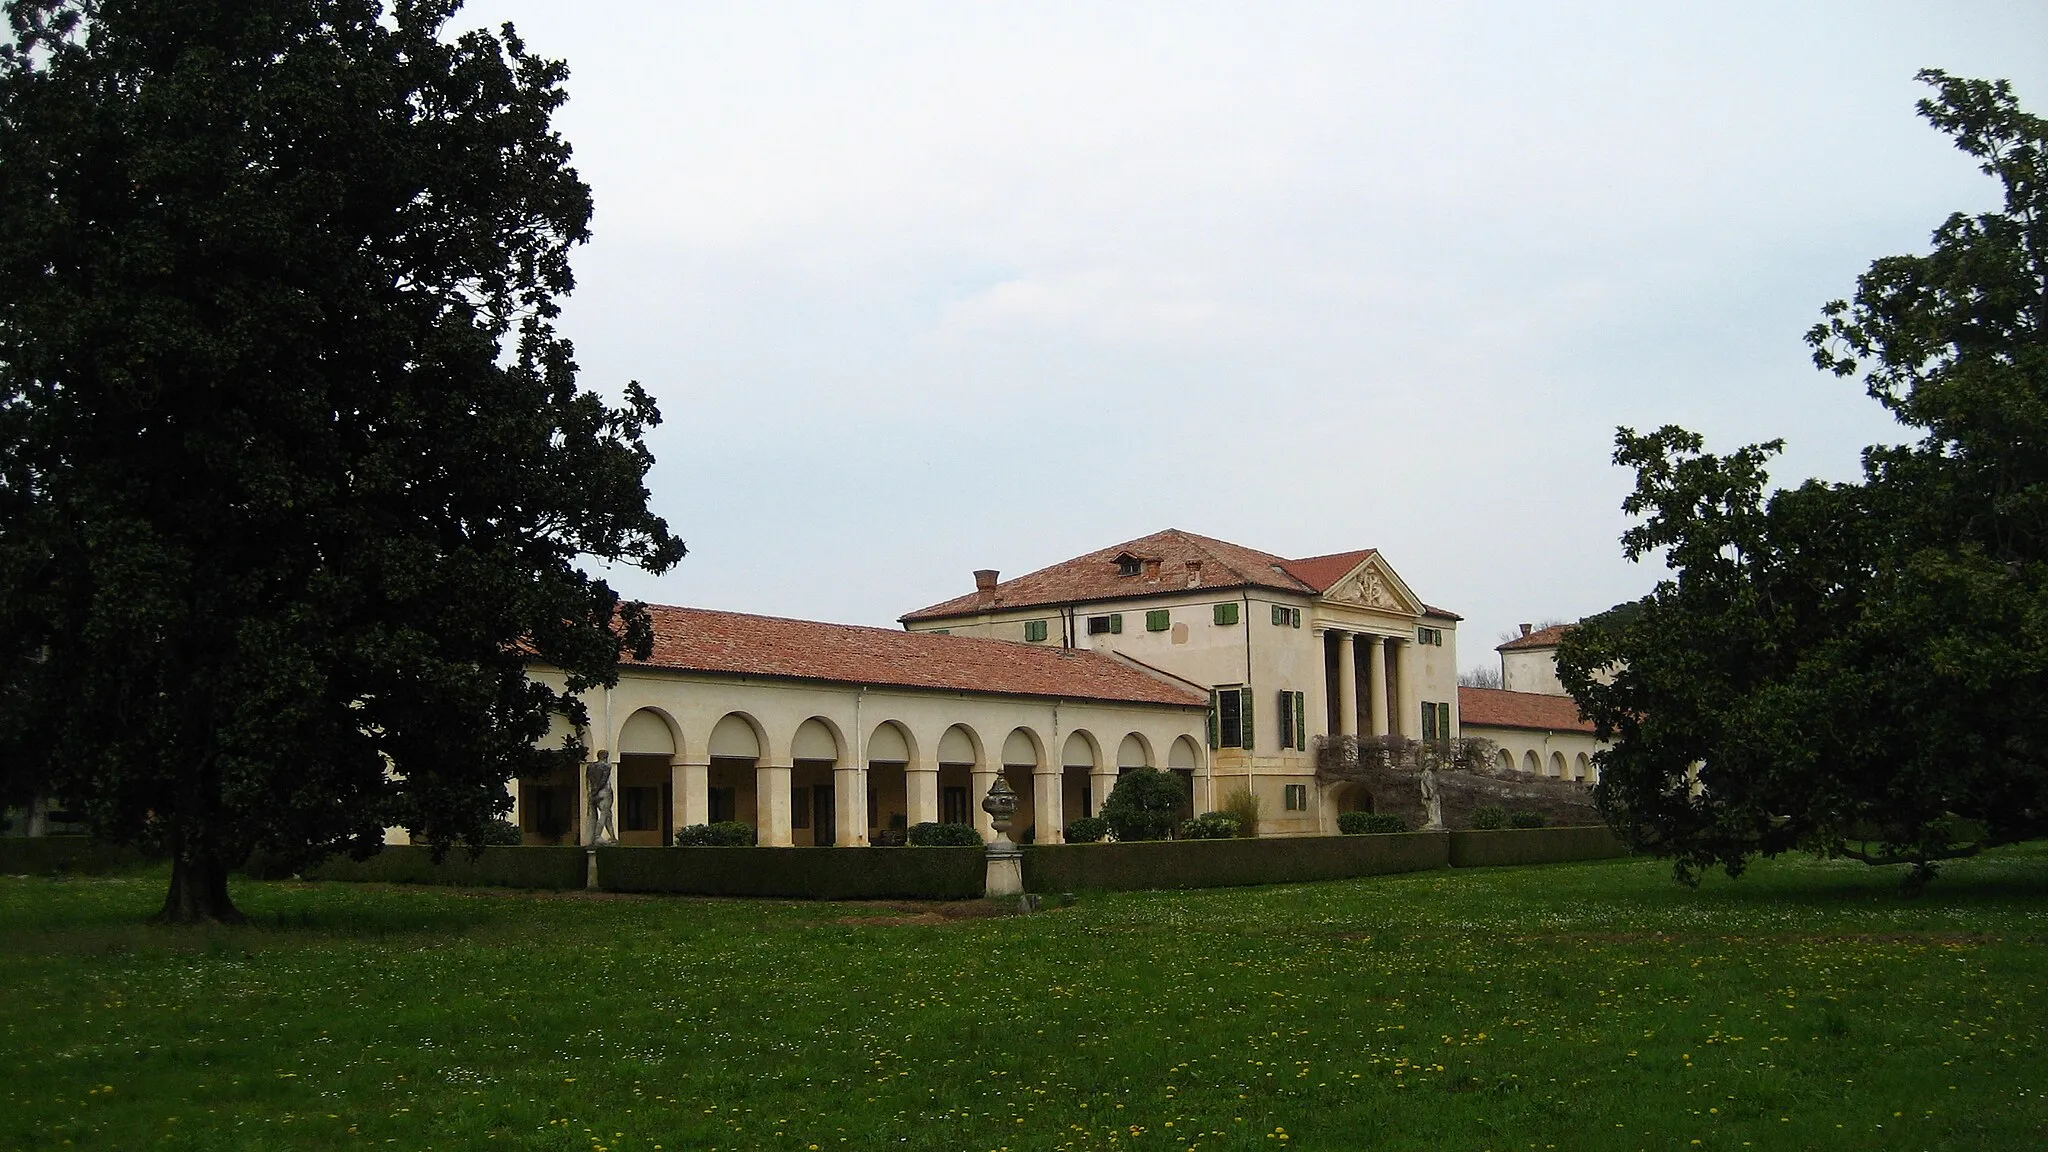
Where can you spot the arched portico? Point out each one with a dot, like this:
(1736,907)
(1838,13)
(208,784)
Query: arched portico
(960,757)
(1185,761)
(649,747)
(732,771)
(818,797)
(1080,763)
(891,751)
(1023,753)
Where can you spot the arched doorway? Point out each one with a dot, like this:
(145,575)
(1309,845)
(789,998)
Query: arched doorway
(735,750)
(645,799)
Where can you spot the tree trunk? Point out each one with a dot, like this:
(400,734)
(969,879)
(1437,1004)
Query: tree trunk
(199,895)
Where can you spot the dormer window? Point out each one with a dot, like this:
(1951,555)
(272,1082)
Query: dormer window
(1129,565)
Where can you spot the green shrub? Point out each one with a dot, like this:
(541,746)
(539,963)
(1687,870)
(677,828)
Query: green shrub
(724,834)
(1526,820)
(1370,823)
(801,873)
(1487,817)
(1144,805)
(1243,806)
(503,834)
(1210,826)
(1087,830)
(930,835)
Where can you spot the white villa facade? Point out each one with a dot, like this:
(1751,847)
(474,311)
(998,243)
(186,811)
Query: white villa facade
(1530,719)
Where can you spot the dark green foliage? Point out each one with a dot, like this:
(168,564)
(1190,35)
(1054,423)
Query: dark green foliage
(1226,863)
(47,855)
(1370,823)
(502,834)
(1471,848)
(552,868)
(1144,805)
(1209,826)
(1087,830)
(724,834)
(802,873)
(930,835)
(1489,816)
(295,476)
(1847,668)
(1525,819)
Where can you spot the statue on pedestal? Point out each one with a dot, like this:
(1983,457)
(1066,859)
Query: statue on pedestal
(600,774)
(1432,799)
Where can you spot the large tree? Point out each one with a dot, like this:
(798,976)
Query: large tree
(295,477)
(1862,668)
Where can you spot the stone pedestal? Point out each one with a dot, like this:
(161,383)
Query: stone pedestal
(1005,870)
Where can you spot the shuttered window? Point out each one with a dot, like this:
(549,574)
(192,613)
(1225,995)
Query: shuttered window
(1034,630)
(1230,718)
(1293,720)
(1158,620)
(1226,613)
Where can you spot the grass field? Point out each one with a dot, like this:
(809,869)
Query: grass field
(1594,1006)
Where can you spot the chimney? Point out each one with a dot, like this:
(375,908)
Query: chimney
(1525,629)
(985,581)
(1194,573)
(1152,569)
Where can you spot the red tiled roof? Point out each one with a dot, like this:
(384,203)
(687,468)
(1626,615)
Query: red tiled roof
(1495,708)
(733,643)
(1094,576)
(1540,638)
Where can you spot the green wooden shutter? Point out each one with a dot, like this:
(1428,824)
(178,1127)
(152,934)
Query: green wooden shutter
(1116,622)
(1443,721)
(1158,620)
(1215,718)
(1286,721)
(1294,615)
(1245,720)
(1301,720)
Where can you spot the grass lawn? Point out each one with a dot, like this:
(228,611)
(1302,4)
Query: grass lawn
(1594,1006)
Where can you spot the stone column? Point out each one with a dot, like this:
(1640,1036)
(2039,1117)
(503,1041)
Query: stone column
(689,793)
(921,792)
(771,805)
(1048,787)
(1376,668)
(1318,706)
(850,806)
(1405,688)
(1101,783)
(984,779)
(1347,684)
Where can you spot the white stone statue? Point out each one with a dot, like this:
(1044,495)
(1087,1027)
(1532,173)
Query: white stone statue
(600,772)
(1432,800)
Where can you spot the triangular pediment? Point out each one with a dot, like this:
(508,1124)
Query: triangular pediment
(1376,586)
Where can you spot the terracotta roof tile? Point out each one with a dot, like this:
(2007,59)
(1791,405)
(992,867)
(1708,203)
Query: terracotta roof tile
(1495,708)
(1223,565)
(1540,638)
(733,643)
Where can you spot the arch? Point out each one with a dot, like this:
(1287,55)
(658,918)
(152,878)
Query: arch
(1183,755)
(1507,760)
(816,739)
(1557,765)
(1136,752)
(1353,797)
(1582,768)
(1022,749)
(891,743)
(737,735)
(1529,763)
(960,745)
(649,732)
(1080,751)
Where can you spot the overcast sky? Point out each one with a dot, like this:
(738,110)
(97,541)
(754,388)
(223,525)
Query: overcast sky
(927,288)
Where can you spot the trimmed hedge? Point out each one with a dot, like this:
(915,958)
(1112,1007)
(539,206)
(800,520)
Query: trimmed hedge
(555,868)
(801,873)
(1472,848)
(50,855)
(1226,863)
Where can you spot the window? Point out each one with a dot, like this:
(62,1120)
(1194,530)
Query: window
(1158,620)
(1226,613)
(1285,617)
(642,808)
(1293,719)
(1129,565)
(799,807)
(1230,718)
(1296,797)
(1436,720)
(724,804)
(953,805)
(1430,636)
(1098,625)
(1034,630)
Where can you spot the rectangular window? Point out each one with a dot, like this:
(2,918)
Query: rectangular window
(1098,625)
(1294,720)
(799,807)
(1297,797)
(1428,720)
(1286,719)
(1429,636)
(1034,630)
(1230,718)
(1294,617)
(1226,613)
(1280,615)
(1158,620)
(953,805)
(642,809)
